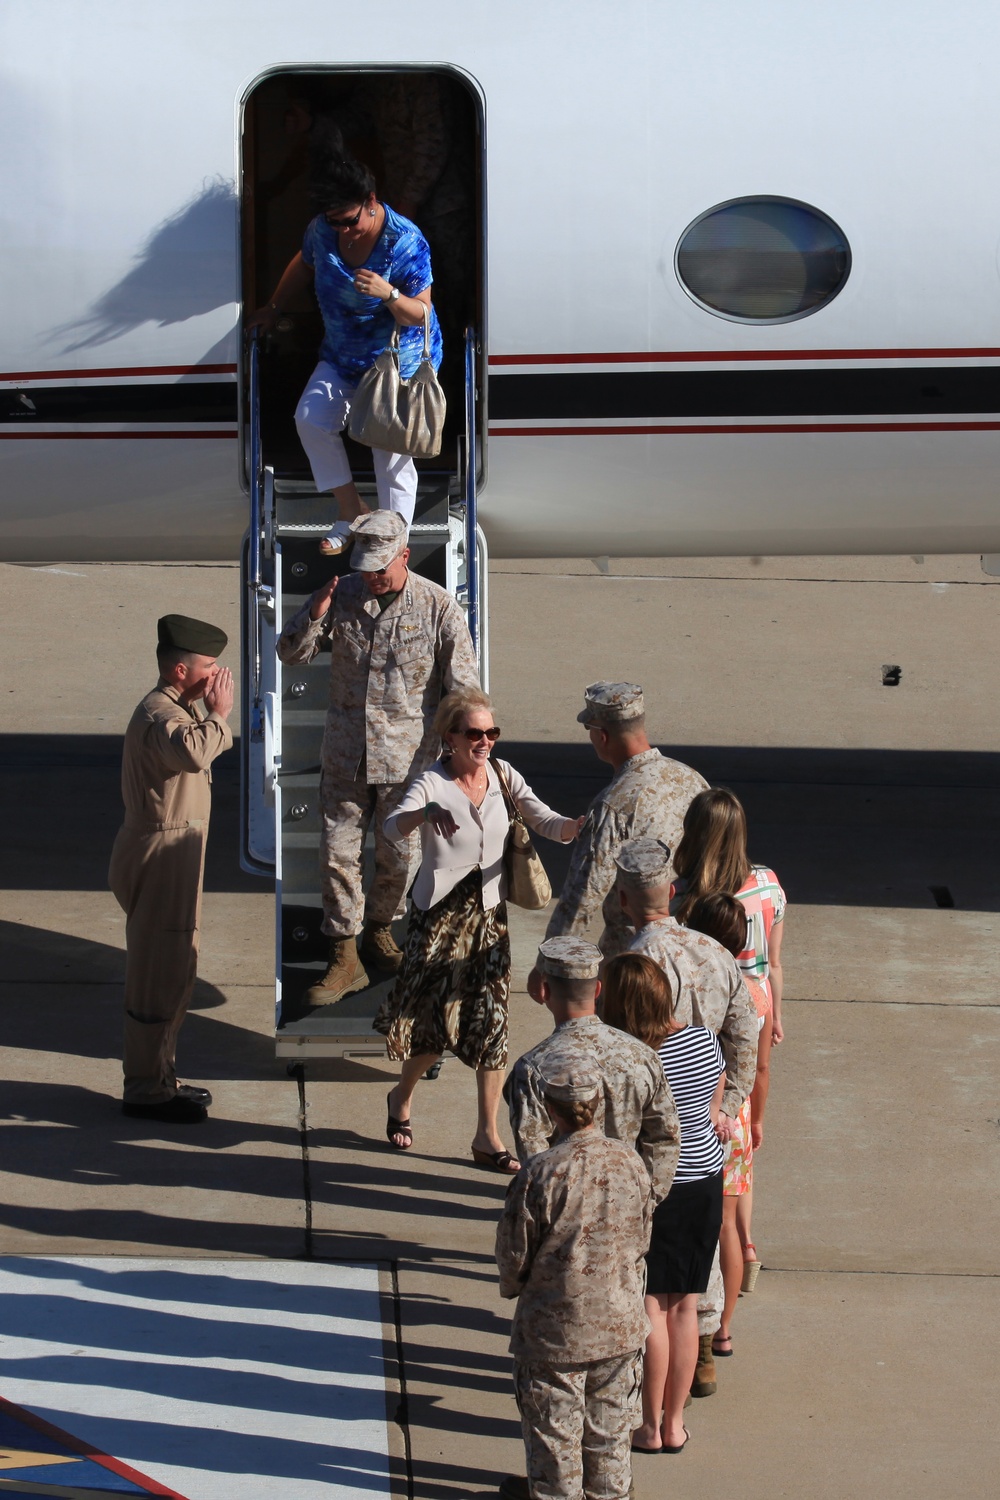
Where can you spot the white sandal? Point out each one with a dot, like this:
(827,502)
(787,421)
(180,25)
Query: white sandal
(338,540)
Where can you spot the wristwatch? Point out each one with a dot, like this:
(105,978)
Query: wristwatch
(393,295)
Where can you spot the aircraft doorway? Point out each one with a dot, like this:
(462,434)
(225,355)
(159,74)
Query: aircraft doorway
(421,132)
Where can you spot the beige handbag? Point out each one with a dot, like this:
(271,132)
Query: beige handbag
(400,416)
(527,883)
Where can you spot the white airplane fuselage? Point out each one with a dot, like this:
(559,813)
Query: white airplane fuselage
(624,417)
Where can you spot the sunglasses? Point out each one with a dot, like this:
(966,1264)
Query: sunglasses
(345,223)
(482,734)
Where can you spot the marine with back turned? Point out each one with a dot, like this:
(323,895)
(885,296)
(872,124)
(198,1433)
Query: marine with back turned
(648,795)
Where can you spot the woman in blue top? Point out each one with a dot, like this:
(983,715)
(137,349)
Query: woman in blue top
(371,271)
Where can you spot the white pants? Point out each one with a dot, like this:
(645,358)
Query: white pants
(321,417)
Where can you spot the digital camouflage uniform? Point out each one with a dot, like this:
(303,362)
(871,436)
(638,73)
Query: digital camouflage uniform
(649,795)
(157,867)
(636,1108)
(571,1247)
(389,670)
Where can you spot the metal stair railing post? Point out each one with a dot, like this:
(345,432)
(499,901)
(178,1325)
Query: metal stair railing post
(471,466)
(260,595)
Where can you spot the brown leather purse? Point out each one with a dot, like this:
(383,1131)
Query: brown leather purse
(527,883)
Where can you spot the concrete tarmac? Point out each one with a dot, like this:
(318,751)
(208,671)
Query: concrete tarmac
(865,1362)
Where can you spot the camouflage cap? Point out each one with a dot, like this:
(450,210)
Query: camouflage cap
(570,1082)
(568,958)
(611,703)
(182,633)
(379,538)
(643,864)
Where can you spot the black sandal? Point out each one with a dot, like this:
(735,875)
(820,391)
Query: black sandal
(495,1161)
(397,1127)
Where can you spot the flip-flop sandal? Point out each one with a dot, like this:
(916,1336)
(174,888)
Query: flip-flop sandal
(679,1447)
(722,1353)
(337,540)
(397,1127)
(496,1161)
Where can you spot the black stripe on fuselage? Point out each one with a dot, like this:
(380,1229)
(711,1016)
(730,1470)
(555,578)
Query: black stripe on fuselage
(198,401)
(746,393)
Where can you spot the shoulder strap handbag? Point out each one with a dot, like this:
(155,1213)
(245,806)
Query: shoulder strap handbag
(397,415)
(527,883)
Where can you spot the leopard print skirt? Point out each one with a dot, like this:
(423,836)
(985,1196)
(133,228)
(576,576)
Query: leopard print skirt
(450,994)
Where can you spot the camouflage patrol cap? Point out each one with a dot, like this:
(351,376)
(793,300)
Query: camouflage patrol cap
(643,864)
(611,703)
(182,633)
(570,1082)
(568,958)
(379,538)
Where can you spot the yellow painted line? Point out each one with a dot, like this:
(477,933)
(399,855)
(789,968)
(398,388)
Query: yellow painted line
(23,1458)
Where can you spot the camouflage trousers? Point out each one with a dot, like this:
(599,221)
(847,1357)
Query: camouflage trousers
(348,808)
(712,1300)
(577,1422)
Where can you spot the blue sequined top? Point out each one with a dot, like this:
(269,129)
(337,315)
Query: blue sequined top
(358,328)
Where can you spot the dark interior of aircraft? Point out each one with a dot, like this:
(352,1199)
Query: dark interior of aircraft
(420,132)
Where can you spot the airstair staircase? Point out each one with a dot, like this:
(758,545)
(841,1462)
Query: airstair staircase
(284,708)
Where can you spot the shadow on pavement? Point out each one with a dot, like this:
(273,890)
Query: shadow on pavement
(841,827)
(42,776)
(69,1001)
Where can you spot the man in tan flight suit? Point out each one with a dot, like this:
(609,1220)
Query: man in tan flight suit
(158,860)
(648,795)
(636,1105)
(570,1247)
(398,645)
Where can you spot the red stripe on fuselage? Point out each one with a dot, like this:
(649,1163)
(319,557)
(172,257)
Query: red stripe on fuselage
(689,356)
(124,370)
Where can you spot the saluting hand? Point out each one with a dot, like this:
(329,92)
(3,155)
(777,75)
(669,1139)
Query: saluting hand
(322,599)
(219,696)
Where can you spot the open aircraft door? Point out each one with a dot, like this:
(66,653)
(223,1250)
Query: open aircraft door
(286,114)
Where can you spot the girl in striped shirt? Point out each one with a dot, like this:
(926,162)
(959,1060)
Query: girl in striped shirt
(638,999)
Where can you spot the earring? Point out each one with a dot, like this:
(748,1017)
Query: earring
(371,213)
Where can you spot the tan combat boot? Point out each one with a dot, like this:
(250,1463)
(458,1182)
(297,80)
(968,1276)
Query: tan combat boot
(379,947)
(704,1383)
(345,974)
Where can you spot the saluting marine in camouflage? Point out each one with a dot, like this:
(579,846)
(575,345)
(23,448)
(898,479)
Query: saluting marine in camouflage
(570,1246)
(390,666)
(707,986)
(635,1106)
(649,794)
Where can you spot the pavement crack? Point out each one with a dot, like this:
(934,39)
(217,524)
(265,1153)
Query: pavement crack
(879,1271)
(403,1409)
(307,1202)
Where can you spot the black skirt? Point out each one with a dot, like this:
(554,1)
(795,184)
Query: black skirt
(685,1234)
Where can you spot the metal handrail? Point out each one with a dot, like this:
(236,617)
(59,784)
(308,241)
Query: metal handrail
(471,469)
(259,594)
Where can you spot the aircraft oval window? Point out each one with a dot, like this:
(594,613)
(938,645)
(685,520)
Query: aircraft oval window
(762,260)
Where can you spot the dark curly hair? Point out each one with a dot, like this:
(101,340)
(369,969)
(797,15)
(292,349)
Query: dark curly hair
(340,182)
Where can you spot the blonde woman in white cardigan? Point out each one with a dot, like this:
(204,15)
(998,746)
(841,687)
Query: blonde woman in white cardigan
(451,990)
